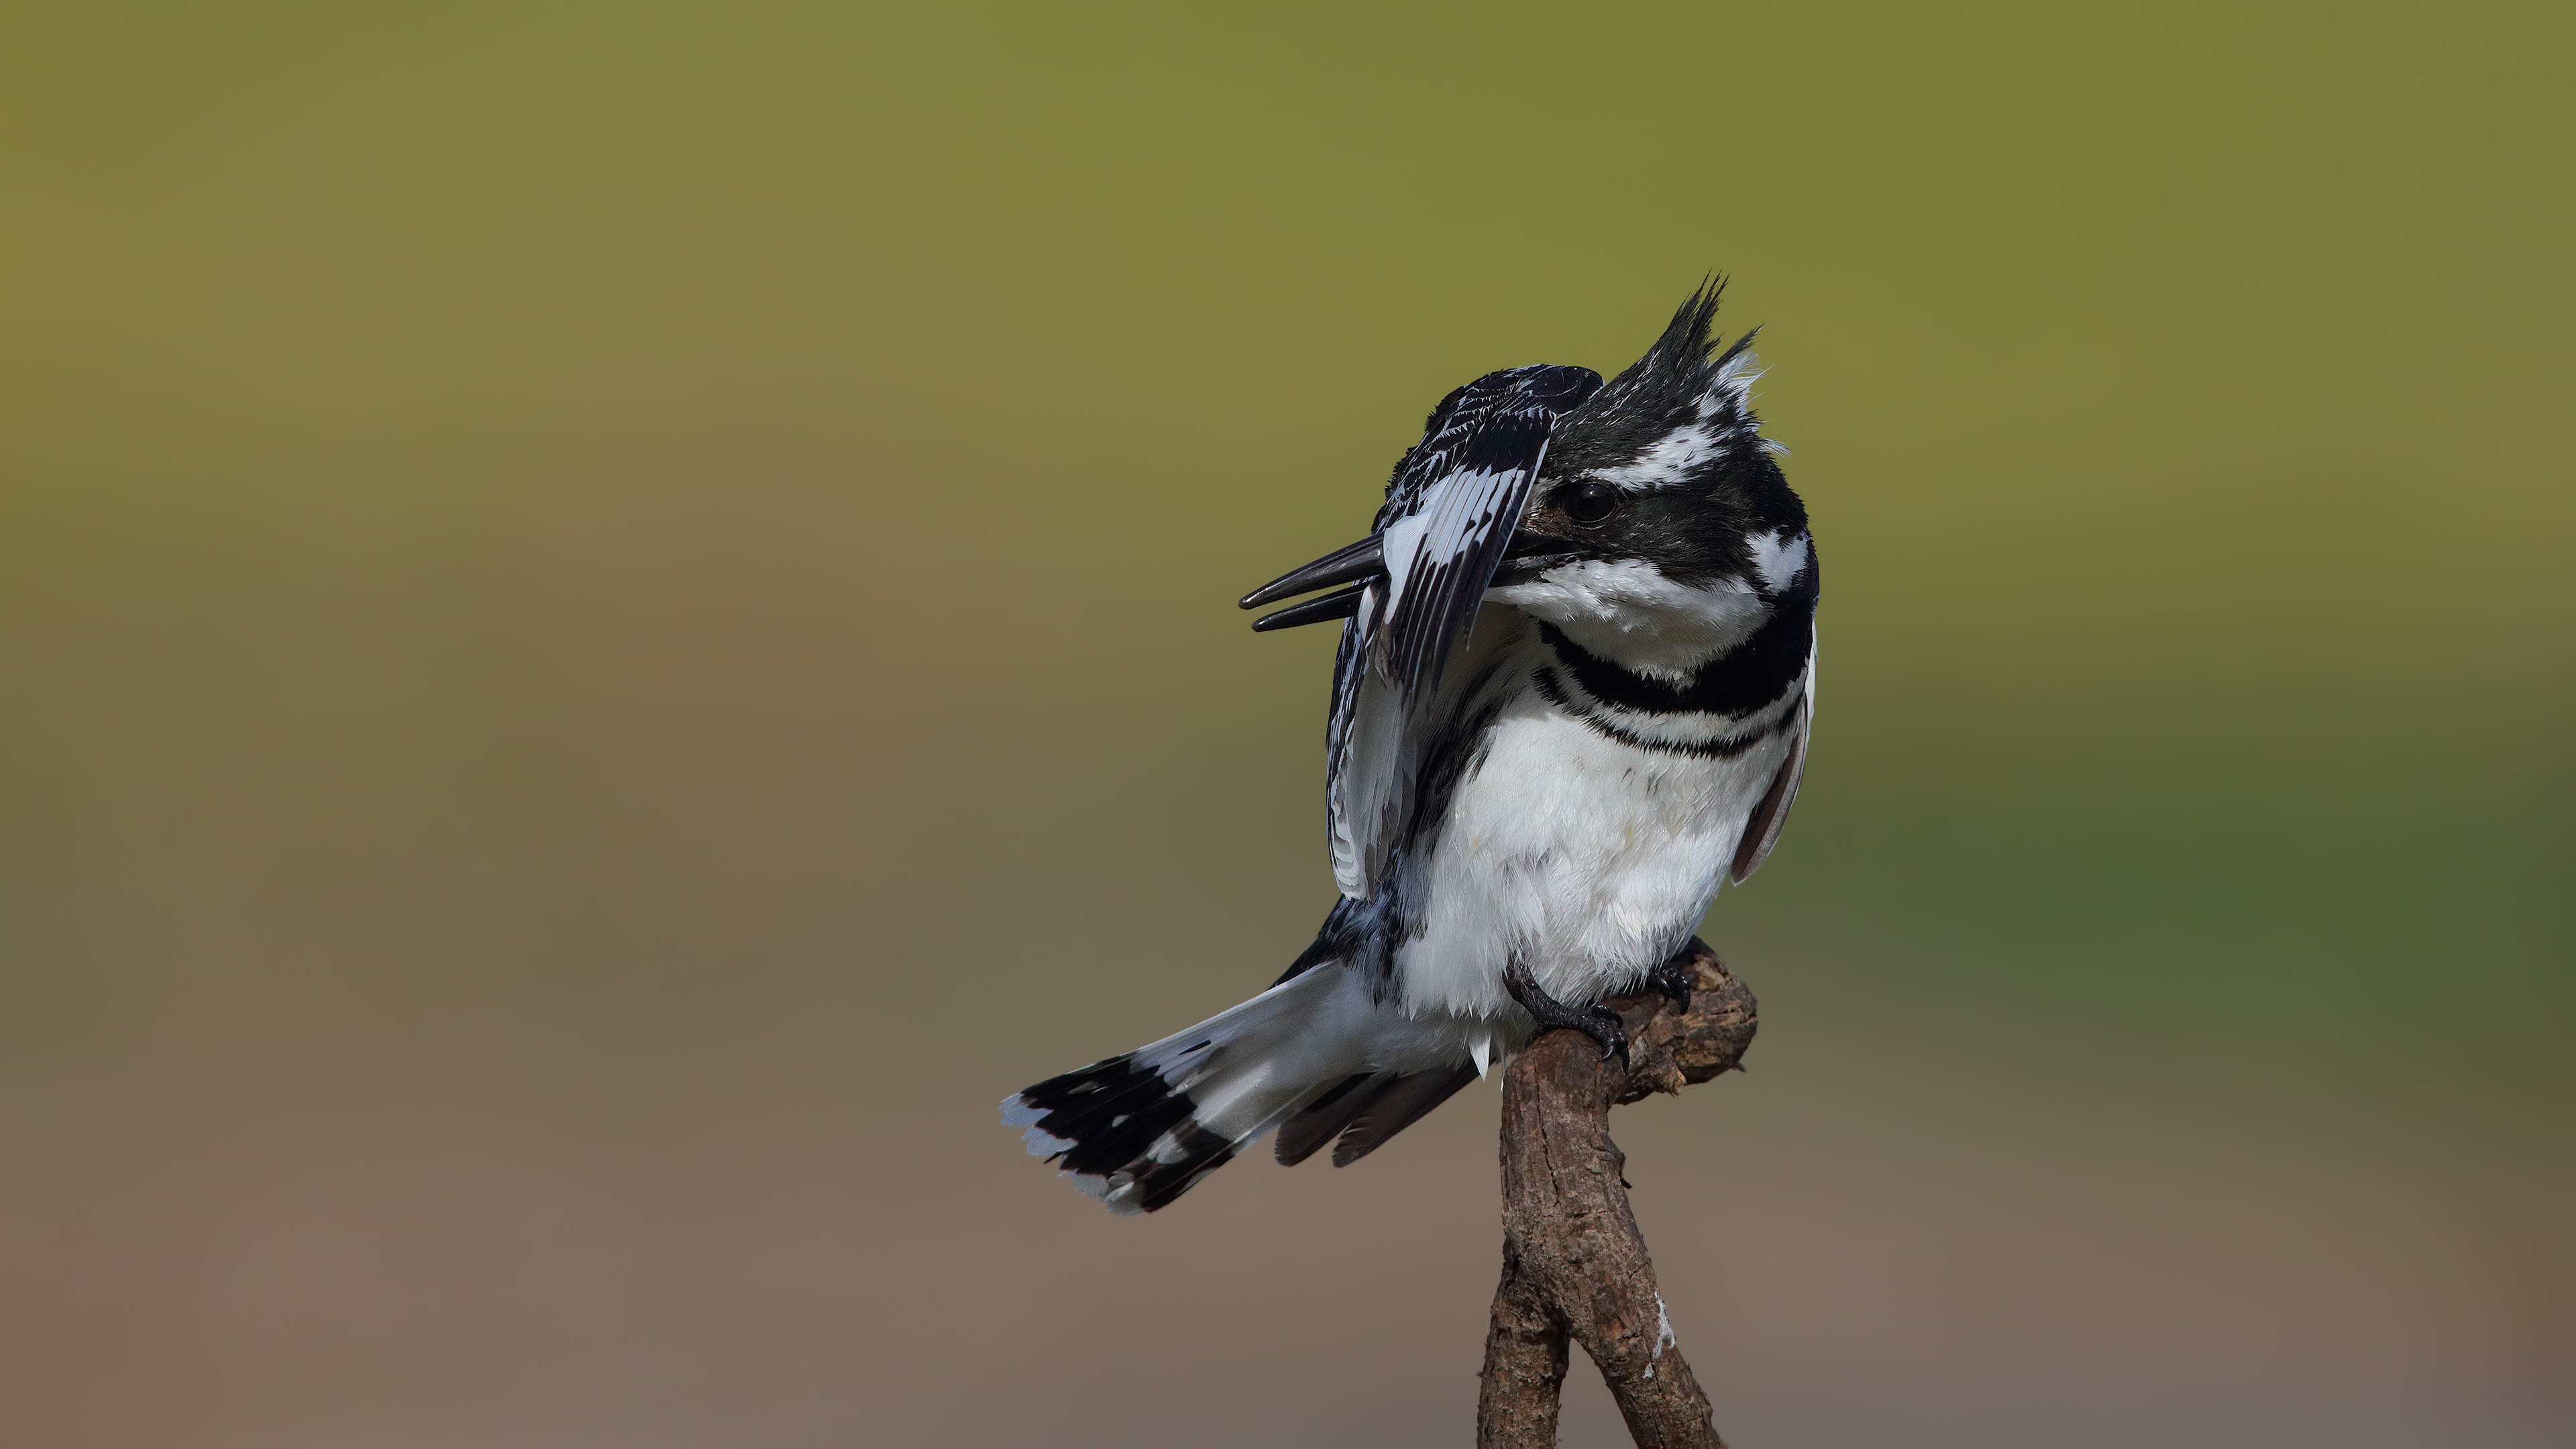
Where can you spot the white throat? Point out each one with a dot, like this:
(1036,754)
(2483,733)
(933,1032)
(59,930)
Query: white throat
(1628,612)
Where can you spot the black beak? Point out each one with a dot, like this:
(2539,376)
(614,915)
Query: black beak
(1531,554)
(1339,604)
(1362,560)
(1363,563)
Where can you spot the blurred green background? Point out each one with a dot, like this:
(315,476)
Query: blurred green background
(615,619)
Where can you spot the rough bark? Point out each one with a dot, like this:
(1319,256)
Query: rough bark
(1574,1264)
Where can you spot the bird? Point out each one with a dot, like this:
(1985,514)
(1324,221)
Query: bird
(1573,694)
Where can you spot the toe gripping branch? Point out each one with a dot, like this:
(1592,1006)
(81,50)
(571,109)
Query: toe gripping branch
(1675,977)
(1597,1022)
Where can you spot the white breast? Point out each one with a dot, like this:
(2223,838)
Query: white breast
(1590,859)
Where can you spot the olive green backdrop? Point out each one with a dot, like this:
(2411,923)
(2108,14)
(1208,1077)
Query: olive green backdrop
(615,619)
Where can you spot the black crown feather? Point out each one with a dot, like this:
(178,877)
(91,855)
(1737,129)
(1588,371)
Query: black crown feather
(1685,384)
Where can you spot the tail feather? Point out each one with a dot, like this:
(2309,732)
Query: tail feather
(1120,1132)
(1404,1102)
(1365,1110)
(1137,1131)
(1323,1119)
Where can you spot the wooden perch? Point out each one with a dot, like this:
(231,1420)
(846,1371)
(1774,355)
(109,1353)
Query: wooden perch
(1573,1261)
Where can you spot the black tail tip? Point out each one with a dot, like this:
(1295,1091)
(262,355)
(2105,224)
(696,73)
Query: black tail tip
(1123,1134)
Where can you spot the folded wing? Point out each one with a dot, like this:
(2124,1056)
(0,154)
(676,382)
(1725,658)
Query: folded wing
(1762,831)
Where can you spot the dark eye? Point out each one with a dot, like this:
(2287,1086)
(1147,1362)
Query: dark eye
(1589,502)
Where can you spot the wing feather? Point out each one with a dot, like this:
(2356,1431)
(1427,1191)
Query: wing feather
(1763,830)
(1449,550)
(1449,515)
(1369,761)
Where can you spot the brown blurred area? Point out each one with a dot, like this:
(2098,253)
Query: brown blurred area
(614,621)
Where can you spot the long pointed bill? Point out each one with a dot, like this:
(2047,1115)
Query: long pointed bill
(1363,560)
(1339,604)
(1528,556)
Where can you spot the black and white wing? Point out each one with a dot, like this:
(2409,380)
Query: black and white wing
(1449,515)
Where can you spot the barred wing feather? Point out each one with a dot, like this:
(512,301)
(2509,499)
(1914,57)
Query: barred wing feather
(1449,516)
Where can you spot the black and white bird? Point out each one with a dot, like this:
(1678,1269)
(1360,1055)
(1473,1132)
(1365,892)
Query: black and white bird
(1572,697)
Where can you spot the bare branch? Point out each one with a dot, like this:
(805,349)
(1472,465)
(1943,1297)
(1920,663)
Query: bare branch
(1574,1264)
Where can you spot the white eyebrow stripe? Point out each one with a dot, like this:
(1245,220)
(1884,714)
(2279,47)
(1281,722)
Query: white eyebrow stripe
(1721,415)
(1671,461)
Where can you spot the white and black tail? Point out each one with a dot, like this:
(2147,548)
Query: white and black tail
(1137,1131)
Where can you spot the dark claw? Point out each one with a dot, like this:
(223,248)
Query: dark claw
(1676,977)
(1597,1022)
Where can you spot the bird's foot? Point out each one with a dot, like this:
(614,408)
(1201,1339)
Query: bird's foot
(1597,1022)
(1676,977)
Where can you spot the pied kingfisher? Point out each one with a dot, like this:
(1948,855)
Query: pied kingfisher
(1573,695)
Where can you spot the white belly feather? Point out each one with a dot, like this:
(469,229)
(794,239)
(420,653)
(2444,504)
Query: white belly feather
(1587,858)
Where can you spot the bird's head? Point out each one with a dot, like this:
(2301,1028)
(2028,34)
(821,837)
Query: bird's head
(1660,531)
